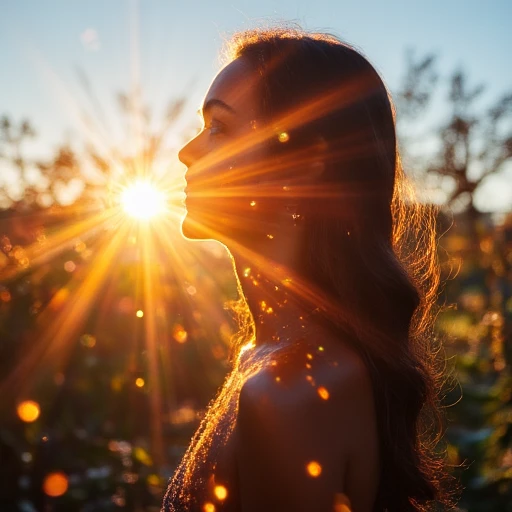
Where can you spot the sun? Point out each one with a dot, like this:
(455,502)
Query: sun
(142,200)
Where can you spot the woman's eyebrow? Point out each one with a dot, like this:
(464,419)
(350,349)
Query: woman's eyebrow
(216,103)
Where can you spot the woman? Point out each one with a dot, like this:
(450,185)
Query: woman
(296,171)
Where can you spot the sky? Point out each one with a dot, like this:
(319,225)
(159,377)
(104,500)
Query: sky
(172,49)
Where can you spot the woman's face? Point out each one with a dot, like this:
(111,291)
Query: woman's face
(224,160)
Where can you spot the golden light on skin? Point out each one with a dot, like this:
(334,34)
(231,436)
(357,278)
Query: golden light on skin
(140,313)
(28,411)
(139,382)
(314,468)
(55,484)
(142,200)
(208,507)
(323,393)
(220,492)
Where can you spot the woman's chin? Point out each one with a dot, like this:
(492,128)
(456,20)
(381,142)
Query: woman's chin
(192,229)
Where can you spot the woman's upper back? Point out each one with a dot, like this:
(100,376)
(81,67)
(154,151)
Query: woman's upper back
(306,431)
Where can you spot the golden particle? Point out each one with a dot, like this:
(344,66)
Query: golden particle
(314,468)
(320,348)
(208,507)
(309,356)
(253,203)
(308,366)
(220,492)
(323,393)
(55,484)
(28,411)
(247,272)
(139,382)
(179,334)
(140,313)
(278,379)
(283,137)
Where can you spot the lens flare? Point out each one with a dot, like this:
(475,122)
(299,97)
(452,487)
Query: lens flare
(142,200)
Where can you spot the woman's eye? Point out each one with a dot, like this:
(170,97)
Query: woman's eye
(215,128)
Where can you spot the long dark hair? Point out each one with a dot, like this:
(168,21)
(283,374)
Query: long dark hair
(369,250)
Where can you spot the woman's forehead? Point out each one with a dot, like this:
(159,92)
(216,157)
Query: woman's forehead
(235,85)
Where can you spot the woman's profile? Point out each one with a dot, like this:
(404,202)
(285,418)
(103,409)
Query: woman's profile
(332,400)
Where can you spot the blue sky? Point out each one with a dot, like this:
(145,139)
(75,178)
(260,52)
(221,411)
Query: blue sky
(42,43)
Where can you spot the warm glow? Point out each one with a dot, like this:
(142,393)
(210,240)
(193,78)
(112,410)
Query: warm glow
(55,484)
(140,313)
(220,492)
(209,507)
(28,411)
(142,200)
(314,469)
(139,382)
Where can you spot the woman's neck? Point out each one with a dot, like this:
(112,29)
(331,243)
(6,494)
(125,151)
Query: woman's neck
(278,314)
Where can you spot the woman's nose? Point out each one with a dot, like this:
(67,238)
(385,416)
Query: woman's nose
(189,153)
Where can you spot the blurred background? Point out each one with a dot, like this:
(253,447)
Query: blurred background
(113,331)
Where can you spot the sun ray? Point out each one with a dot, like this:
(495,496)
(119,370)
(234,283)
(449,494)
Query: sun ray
(63,319)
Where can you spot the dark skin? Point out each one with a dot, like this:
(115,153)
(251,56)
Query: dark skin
(306,430)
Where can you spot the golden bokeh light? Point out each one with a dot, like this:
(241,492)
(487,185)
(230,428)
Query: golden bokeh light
(314,468)
(179,334)
(142,200)
(28,411)
(139,382)
(220,492)
(140,313)
(208,507)
(55,484)
(323,393)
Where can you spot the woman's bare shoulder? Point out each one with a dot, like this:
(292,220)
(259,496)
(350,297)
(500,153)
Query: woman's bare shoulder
(318,374)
